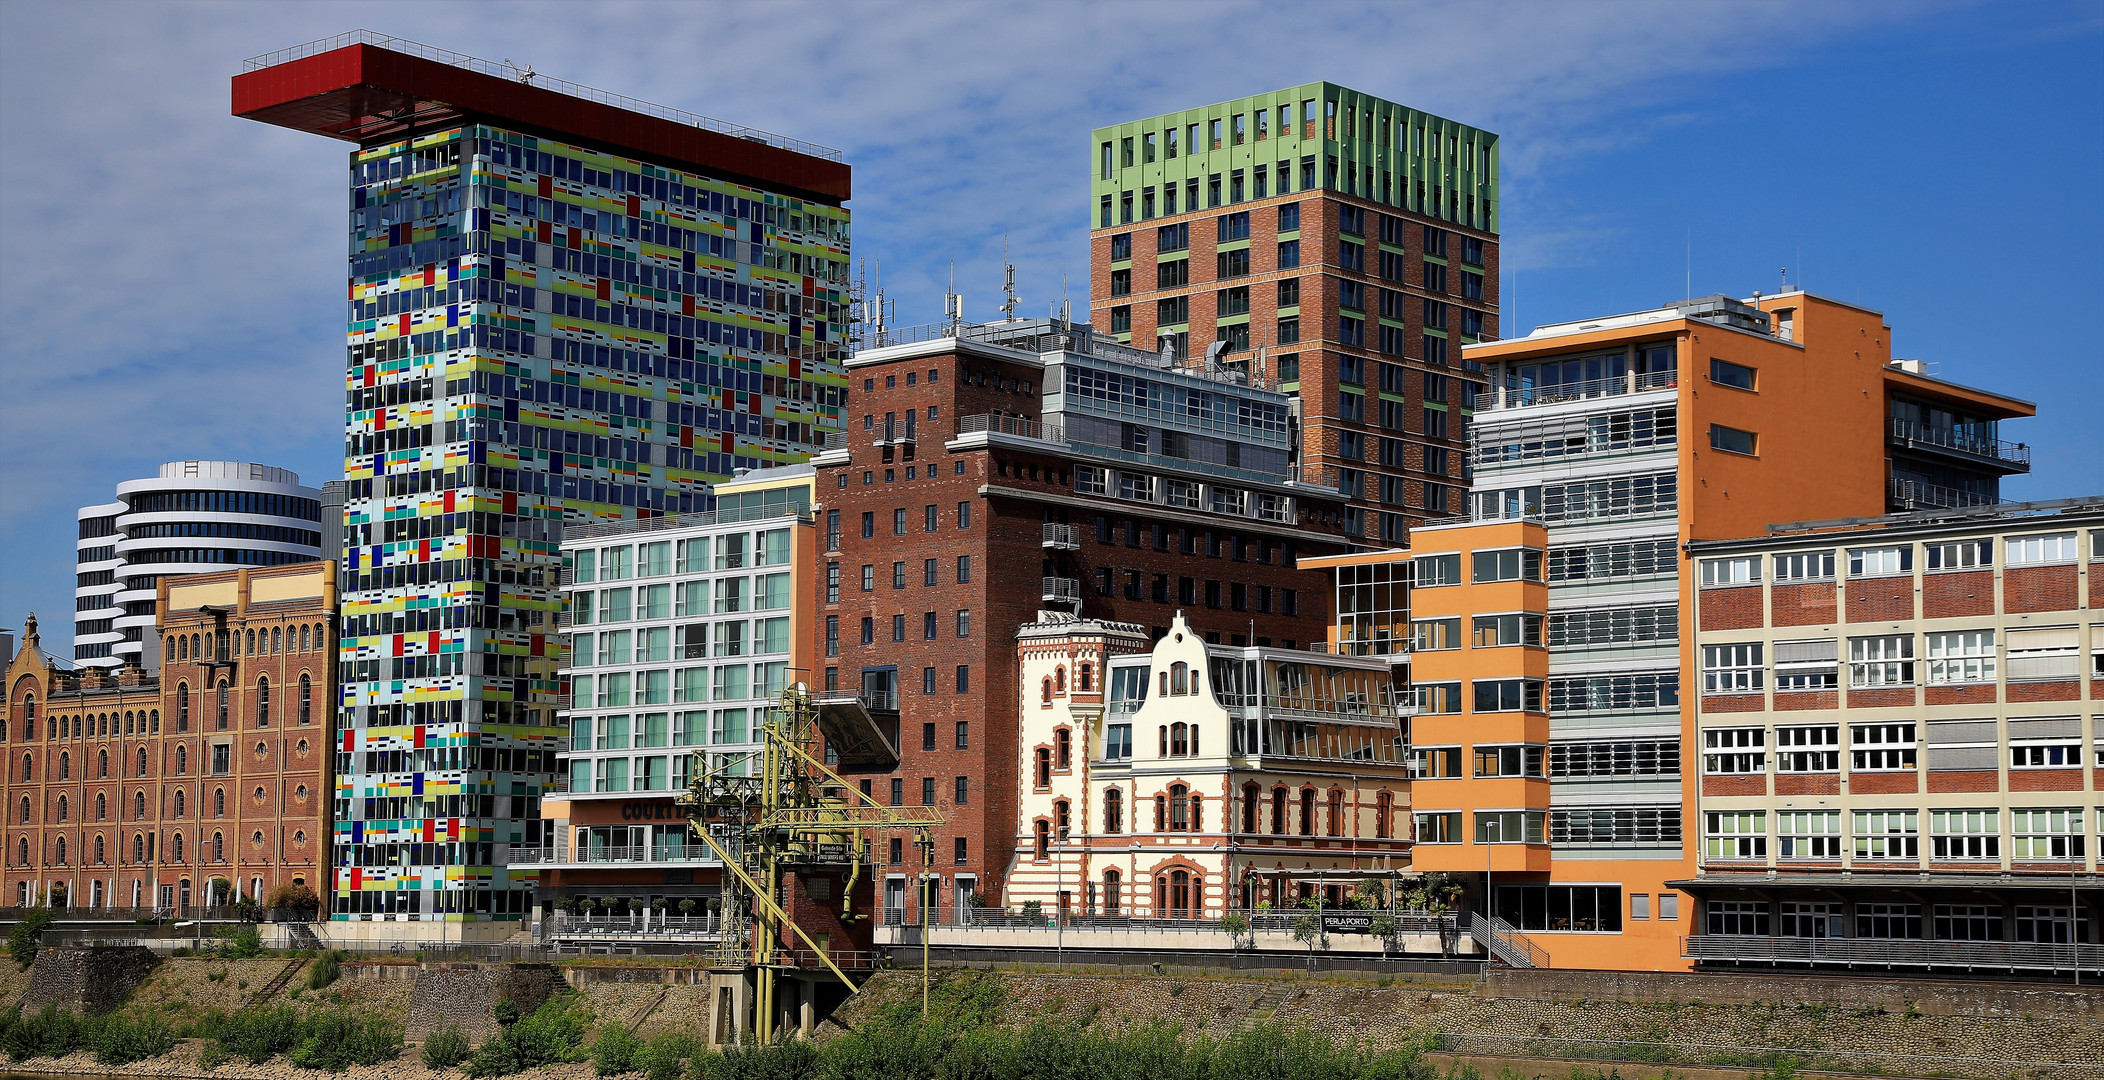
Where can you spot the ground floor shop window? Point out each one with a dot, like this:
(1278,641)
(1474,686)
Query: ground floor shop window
(1596,908)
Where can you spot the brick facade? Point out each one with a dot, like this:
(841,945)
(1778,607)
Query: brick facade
(1970,780)
(1950,595)
(1810,604)
(1959,695)
(1730,609)
(1808,783)
(1880,599)
(1734,785)
(1878,783)
(1803,700)
(2039,588)
(2045,779)
(2049,690)
(1732,703)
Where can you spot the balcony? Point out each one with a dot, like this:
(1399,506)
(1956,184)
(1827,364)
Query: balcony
(1714,950)
(564,854)
(896,432)
(982,429)
(1914,495)
(1999,454)
(1501,398)
(1062,590)
(1061,538)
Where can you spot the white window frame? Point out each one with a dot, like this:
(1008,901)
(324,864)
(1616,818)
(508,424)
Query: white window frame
(1958,555)
(1734,668)
(1960,656)
(1739,570)
(1804,566)
(1965,835)
(1815,666)
(2052,753)
(1881,660)
(2028,661)
(1808,835)
(1881,561)
(2045,549)
(1808,748)
(1735,835)
(1884,747)
(1735,751)
(1883,835)
(2045,834)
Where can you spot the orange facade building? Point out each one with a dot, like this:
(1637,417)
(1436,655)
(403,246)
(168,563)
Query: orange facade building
(1554,661)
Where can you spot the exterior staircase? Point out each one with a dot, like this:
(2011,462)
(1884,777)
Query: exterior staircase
(1266,1005)
(271,988)
(1505,944)
(303,936)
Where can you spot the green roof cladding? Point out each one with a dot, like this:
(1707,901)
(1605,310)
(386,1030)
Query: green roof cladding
(1418,162)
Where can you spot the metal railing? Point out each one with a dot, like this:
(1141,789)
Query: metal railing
(1061,537)
(836,440)
(1504,397)
(1914,495)
(626,526)
(1499,939)
(567,854)
(2015,453)
(513,73)
(1999,955)
(653,923)
(1144,916)
(1006,424)
(1061,589)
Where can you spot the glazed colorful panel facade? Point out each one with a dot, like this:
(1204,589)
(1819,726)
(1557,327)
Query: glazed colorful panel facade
(538,333)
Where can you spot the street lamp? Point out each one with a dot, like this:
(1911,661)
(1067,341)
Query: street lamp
(1059,888)
(1490,908)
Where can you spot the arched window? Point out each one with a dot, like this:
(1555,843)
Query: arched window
(142,762)
(1063,749)
(139,807)
(65,766)
(1161,814)
(22,858)
(303,638)
(1044,693)
(1163,731)
(1251,796)
(250,648)
(1165,684)
(277,640)
(128,722)
(100,858)
(1112,882)
(1197,813)
(1383,810)
(1181,886)
(1179,739)
(262,702)
(102,764)
(1044,840)
(182,648)
(29,768)
(1278,811)
(225,691)
(102,807)
(29,716)
(218,802)
(1179,677)
(1085,677)
(182,706)
(1307,812)
(1059,680)
(154,718)
(1113,811)
(138,847)
(179,804)
(60,851)
(306,698)
(1179,813)
(1336,814)
(218,847)
(1062,819)
(25,810)
(182,760)
(177,849)
(1044,767)
(62,808)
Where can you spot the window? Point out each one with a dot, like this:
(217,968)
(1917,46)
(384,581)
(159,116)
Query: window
(1734,751)
(1808,834)
(2044,653)
(1961,555)
(1169,275)
(1640,826)
(1492,631)
(1740,571)
(1888,834)
(1601,562)
(1809,749)
(1965,835)
(1726,373)
(1731,439)
(1747,918)
(1508,761)
(1615,626)
(1960,656)
(1732,669)
(1810,920)
(1511,826)
(1581,760)
(2025,550)
(1881,747)
(1175,237)
(1886,660)
(1872,562)
(1433,635)
(1967,922)
(1508,695)
(1807,665)
(1736,834)
(1511,564)
(1806,566)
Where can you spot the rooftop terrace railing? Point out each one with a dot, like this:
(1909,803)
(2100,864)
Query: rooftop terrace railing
(513,73)
(1887,953)
(1502,397)
(1915,495)
(1950,438)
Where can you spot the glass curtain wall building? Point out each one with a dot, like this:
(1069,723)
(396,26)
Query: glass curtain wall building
(560,309)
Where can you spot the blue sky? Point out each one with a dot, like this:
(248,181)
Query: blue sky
(171,277)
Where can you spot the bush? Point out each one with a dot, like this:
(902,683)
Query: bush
(337,1039)
(24,939)
(791,1060)
(446,1047)
(666,1056)
(258,1035)
(614,1051)
(121,1038)
(245,943)
(50,1033)
(554,1034)
(328,967)
(298,897)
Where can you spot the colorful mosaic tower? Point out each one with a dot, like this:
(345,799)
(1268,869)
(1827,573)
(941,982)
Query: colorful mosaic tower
(560,310)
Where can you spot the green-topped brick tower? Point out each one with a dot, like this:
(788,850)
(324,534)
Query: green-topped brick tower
(1343,245)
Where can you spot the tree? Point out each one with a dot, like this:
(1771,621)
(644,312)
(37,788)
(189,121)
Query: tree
(28,935)
(1237,926)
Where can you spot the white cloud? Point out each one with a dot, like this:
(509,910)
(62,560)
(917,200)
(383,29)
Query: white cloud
(171,277)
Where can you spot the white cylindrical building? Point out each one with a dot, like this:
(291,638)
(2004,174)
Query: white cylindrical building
(196,516)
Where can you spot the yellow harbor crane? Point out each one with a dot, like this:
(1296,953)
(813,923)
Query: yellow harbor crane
(783,810)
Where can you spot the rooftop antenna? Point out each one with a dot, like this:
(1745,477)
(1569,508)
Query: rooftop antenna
(526,72)
(952,303)
(1008,302)
(1785,272)
(1066,306)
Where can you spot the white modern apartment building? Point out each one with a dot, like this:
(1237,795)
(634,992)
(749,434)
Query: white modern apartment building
(194,517)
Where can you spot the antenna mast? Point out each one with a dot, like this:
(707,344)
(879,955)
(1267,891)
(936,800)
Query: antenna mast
(952,303)
(1008,302)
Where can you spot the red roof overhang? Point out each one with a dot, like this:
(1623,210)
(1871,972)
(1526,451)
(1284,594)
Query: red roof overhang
(364,94)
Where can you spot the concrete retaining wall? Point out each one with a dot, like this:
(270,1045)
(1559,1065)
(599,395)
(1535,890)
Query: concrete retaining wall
(88,981)
(1853,992)
(467,995)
